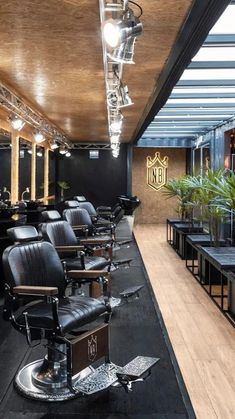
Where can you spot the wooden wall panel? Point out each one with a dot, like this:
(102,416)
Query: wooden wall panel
(155,208)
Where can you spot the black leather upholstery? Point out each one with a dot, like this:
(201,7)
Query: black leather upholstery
(51,215)
(34,263)
(38,264)
(71,204)
(23,233)
(89,207)
(60,233)
(72,311)
(80,216)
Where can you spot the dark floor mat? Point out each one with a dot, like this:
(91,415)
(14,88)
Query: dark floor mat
(135,330)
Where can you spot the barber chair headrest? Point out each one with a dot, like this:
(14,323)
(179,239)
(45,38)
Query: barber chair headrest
(80,198)
(72,204)
(23,234)
(51,215)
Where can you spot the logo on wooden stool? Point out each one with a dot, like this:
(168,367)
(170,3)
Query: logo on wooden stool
(157,171)
(92,348)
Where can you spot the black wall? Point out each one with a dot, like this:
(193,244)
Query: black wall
(5,170)
(99,180)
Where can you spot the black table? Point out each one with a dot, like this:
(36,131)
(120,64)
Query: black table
(180,232)
(213,265)
(192,243)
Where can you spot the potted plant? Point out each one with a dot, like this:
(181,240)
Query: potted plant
(206,199)
(63,186)
(183,192)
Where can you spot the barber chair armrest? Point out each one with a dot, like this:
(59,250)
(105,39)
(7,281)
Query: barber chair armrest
(35,290)
(96,242)
(104,223)
(69,248)
(103,208)
(88,274)
(81,227)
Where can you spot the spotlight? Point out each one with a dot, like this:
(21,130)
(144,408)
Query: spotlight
(16,122)
(54,145)
(118,31)
(39,153)
(114,139)
(112,99)
(62,150)
(116,123)
(115,153)
(68,154)
(39,137)
(123,97)
(124,53)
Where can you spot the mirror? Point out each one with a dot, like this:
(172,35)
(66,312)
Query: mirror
(5,164)
(24,169)
(205,158)
(39,173)
(51,176)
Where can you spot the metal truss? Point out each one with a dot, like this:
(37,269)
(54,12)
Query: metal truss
(14,104)
(91,146)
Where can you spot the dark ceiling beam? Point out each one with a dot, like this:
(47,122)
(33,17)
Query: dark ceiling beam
(220,40)
(210,65)
(200,20)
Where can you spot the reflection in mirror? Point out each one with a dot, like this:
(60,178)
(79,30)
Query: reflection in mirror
(51,193)
(205,158)
(24,169)
(40,173)
(5,165)
(197,161)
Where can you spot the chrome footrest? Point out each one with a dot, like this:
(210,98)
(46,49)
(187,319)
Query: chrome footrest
(103,377)
(131,292)
(137,368)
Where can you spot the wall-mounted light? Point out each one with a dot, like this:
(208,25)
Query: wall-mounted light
(29,150)
(39,153)
(16,122)
(68,154)
(39,137)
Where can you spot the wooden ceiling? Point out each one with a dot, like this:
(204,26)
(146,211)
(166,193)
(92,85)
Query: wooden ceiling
(51,55)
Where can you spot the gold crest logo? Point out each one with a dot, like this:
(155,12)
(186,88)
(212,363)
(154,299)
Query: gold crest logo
(92,348)
(157,171)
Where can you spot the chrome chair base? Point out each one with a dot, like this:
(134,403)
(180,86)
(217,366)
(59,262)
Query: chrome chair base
(49,387)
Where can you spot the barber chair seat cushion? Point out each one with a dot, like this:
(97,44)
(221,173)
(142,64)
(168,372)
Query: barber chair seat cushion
(91,263)
(73,312)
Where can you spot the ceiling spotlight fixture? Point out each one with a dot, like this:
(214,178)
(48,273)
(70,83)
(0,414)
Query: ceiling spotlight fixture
(117,31)
(123,97)
(16,122)
(68,154)
(124,53)
(39,137)
(63,150)
(54,145)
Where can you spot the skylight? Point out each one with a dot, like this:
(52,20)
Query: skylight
(225,24)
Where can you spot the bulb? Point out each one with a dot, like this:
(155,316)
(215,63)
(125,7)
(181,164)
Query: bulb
(39,137)
(111,34)
(17,124)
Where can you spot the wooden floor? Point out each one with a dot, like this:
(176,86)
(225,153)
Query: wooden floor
(202,339)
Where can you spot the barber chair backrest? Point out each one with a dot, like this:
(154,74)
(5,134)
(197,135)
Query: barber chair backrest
(89,207)
(59,233)
(77,216)
(79,198)
(34,263)
(51,215)
(71,204)
(23,234)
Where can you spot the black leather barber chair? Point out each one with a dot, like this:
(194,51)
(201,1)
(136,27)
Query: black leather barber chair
(86,265)
(36,305)
(80,218)
(100,243)
(113,214)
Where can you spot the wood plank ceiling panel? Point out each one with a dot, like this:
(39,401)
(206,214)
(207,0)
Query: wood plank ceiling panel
(51,54)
